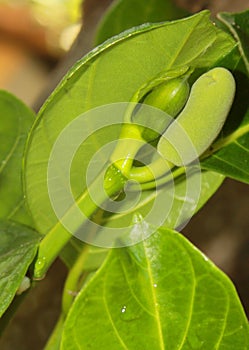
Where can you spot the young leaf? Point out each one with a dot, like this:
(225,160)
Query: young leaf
(18,245)
(159,294)
(15,122)
(238,24)
(112,73)
(125,14)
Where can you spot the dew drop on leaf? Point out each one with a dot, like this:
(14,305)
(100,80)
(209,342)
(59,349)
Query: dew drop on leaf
(123,309)
(130,313)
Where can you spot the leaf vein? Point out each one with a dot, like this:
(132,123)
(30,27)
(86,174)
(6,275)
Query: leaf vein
(131,290)
(157,315)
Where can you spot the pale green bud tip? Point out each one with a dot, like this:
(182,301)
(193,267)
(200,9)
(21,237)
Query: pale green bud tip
(170,97)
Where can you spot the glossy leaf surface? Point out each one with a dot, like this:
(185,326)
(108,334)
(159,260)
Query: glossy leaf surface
(159,294)
(183,199)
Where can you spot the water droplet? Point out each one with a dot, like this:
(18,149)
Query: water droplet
(123,309)
(39,267)
(130,313)
(155,285)
(41,262)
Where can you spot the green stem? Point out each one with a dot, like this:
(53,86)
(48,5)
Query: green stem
(59,236)
(55,338)
(128,145)
(155,170)
(113,180)
(72,282)
(158,182)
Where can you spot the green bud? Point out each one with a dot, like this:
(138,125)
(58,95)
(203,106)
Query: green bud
(170,97)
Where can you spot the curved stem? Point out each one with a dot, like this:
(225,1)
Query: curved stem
(158,182)
(72,282)
(55,338)
(128,145)
(155,170)
(59,236)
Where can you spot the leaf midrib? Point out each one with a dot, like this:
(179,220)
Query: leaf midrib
(154,297)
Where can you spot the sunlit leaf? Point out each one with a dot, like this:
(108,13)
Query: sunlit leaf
(161,293)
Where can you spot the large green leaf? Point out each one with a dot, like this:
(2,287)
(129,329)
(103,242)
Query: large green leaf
(18,246)
(15,122)
(159,294)
(238,24)
(112,73)
(182,200)
(125,14)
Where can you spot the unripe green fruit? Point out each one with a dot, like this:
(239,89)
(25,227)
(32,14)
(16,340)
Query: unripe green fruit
(170,97)
(201,120)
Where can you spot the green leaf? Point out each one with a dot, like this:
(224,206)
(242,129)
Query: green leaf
(159,294)
(232,160)
(112,73)
(238,24)
(15,121)
(182,203)
(18,246)
(124,14)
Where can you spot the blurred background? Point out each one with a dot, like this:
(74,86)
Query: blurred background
(39,42)
(34,37)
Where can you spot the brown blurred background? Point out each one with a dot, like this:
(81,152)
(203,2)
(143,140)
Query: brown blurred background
(35,38)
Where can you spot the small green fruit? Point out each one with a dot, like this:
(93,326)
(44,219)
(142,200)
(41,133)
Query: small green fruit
(170,97)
